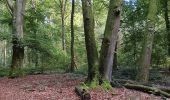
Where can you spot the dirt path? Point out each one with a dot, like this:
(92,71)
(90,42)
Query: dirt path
(59,87)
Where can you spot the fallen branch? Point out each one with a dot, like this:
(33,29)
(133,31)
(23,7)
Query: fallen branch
(83,93)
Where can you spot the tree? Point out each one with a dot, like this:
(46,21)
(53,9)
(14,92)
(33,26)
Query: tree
(167,20)
(144,64)
(166,4)
(62,11)
(73,65)
(92,54)
(17,11)
(109,40)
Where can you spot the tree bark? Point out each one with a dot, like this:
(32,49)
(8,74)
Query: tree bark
(92,54)
(109,40)
(143,70)
(73,65)
(17,36)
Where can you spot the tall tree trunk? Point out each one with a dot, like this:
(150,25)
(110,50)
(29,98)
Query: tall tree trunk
(167,20)
(62,10)
(18,48)
(92,55)
(73,65)
(109,40)
(143,70)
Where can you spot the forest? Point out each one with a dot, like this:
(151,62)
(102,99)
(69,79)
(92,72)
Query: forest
(84,49)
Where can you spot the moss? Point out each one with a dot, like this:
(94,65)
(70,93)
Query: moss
(106,85)
(94,84)
(90,85)
(84,86)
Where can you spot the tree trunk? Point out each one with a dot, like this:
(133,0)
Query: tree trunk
(62,10)
(92,55)
(143,70)
(109,40)
(167,20)
(18,48)
(73,65)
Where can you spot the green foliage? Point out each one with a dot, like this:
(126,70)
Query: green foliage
(133,26)
(42,38)
(17,72)
(4,72)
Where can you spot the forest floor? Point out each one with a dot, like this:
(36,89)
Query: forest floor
(60,87)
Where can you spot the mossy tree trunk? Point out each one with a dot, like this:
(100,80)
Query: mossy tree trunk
(166,4)
(144,63)
(73,65)
(167,20)
(92,55)
(109,40)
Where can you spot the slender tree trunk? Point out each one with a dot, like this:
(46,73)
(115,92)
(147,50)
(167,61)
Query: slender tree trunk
(18,48)
(73,65)
(62,10)
(92,55)
(167,20)
(109,40)
(144,65)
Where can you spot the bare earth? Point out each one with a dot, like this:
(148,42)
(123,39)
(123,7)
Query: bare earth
(60,87)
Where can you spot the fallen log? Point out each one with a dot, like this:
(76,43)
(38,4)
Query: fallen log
(83,93)
(163,88)
(147,89)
